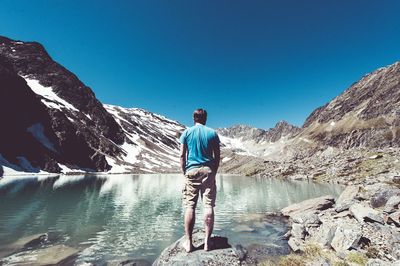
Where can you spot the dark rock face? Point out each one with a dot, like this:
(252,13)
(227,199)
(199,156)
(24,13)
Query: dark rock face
(43,135)
(281,129)
(365,115)
(19,110)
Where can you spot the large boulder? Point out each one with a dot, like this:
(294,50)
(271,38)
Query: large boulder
(347,235)
(222,254)
(310,205)
(23,243)
(381,197)
(325,234)
(347,198)
(364,213)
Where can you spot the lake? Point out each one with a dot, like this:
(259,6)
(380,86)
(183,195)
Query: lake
(137,216)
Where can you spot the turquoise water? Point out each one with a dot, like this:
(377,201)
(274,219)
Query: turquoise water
(137,216)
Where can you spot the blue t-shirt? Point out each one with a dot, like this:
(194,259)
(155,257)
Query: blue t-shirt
(200,141)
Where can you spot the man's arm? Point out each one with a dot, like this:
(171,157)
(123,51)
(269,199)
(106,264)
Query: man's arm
(217,156)
(183,157)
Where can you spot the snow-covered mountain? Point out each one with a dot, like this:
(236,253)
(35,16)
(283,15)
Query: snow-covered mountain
(52,122)
(250,141)
(151,142)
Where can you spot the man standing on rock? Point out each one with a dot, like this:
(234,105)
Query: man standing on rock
(200,155)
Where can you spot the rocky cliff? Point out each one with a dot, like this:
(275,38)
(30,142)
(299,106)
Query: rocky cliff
(366,115)
(51,121)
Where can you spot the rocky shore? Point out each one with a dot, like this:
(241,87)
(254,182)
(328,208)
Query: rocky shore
(361,228)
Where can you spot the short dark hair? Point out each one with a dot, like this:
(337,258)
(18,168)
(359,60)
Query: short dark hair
(200,116)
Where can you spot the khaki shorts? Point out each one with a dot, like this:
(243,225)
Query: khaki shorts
(201,181)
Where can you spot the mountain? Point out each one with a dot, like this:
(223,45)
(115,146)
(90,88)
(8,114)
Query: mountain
(281,129)
(151,141)
(53,122)
(366,115)
(250,141)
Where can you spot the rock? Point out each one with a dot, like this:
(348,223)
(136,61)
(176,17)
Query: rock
(53,255)
(347,198)
(363,213)
(347,235)
(258,252)
(380,198)
(306,218)
(377,262)
(298,231)
(325,234)
(25,242)
(241,251)
(396,179)
(312,205)
(395,218)
(392,204)
(342,214)
(222,254)
(128,262)
(295,244)
(298,177)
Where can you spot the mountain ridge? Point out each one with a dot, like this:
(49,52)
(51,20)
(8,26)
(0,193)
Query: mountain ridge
(64,126)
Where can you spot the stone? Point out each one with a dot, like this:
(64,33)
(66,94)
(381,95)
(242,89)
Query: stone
(396,179)
(306,218)
(347,235)
(259,252)
(395,218)
(313,205)
(298,231)
(128,262)
(53,255)
(377,262)
(295,244)
(392,204)
(325,234)
(381,197)
(347,198)
(25,242)
(221,254)
(342,214)
(363,213)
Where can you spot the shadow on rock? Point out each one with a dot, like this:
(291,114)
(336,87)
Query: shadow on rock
(218,242)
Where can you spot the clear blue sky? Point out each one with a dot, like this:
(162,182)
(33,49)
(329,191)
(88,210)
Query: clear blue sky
(246,62)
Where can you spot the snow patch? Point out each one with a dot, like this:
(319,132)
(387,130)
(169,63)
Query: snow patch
(52,100)
(37,130)
(24,169)
(116,168)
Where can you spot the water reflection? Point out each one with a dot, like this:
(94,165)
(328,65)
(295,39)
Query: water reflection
(120,216)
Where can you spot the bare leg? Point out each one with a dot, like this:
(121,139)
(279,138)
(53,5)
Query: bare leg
(209,225)
(189,224)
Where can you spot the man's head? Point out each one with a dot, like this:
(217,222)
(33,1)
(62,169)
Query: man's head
(200,116)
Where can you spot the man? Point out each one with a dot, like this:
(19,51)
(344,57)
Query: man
(200,155)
